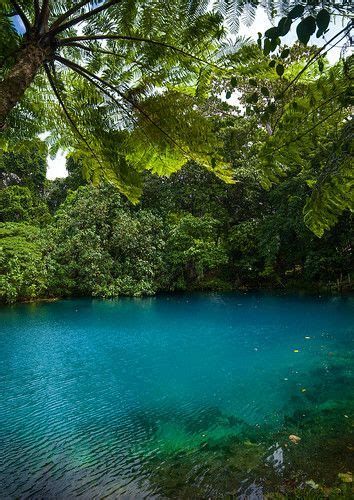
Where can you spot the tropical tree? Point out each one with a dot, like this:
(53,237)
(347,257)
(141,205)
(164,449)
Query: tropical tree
(115,81)
(120,81)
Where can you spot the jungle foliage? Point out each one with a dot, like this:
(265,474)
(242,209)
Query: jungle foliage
(238,153)
(191,231)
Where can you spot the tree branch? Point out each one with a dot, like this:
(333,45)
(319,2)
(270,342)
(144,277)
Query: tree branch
(314,57)
(83,17)
(67,41)
(68,13)
(37,11)
(93,50)
(80,70)
(66,112)
(43,17)
(111,53)
(22,15)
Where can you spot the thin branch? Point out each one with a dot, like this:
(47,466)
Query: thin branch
(37,12)
(66,112)
(69,13)
(80,69)
(67,41)
(300,136)
(347,28)
(43,16)
(58,28)
(93,50)
(22,15)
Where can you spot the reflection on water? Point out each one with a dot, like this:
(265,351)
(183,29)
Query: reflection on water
(184,397)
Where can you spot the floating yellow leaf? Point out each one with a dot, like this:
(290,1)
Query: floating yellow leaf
(346,477)
(312,484)
(294,439)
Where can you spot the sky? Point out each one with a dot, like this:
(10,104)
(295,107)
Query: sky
(56,166)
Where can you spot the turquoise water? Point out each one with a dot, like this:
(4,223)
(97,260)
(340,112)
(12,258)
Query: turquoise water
(184,396)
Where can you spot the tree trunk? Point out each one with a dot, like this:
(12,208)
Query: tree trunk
(19,78)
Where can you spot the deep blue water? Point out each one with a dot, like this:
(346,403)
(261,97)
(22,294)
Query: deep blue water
(174,396)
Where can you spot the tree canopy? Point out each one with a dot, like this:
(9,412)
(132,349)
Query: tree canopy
(125,86)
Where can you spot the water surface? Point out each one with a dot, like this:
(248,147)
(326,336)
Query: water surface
(184,396)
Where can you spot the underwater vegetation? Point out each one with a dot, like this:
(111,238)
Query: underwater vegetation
(212,454)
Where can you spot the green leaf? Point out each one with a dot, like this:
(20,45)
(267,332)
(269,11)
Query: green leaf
(233,82)
(252,82)
(320,65)
(322,21)
(274,43)
(265,91)
(272,32)
(296,11)
(280,69)
(266,48)
(284,26)
(228,94)
(272,63)
(271,108)
(285,53)
(305,29)
(253,98)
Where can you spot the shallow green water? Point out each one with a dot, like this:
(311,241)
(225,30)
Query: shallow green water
(187,396)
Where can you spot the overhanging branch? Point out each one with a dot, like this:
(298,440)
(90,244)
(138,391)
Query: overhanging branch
(69,13)
(120,105)
(79,69)
(58,28)
(317,53)
(68,41)
(43,17)
(66,112)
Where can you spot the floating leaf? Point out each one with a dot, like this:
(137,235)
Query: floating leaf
(294,439)
(346,477)
(312,484)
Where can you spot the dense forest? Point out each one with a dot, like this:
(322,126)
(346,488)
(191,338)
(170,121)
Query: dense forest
(190,231)
(195,161)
